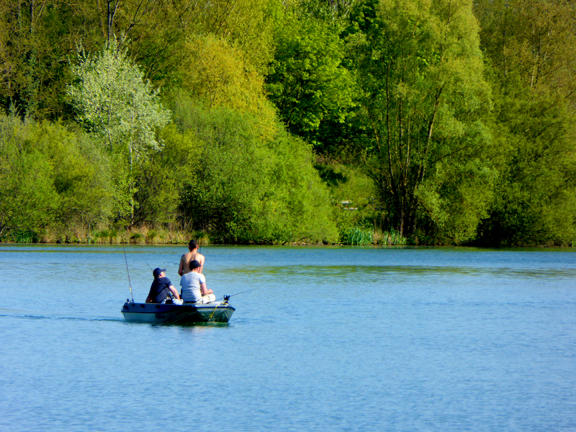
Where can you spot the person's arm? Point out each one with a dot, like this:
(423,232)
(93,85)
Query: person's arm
(201,261)
(149,298)
(181,266)
(204,289)
(174,291)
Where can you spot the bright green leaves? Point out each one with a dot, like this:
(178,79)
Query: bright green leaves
(392,92)
(250,188)
(456,199)
(51,178)
(307,81)
(532,47)
(244,24)
(25,183)
(164,176)
(216,74)
(113,100)
(421,69)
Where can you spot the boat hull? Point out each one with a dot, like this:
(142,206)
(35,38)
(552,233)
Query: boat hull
(154,313)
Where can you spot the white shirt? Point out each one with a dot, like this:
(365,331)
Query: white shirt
(190,284)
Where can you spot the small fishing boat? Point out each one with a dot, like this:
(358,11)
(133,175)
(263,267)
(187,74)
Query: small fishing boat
(169,313)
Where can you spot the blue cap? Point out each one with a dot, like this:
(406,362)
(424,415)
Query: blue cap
(157,272)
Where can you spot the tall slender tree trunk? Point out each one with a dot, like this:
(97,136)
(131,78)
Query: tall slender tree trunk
(111,14)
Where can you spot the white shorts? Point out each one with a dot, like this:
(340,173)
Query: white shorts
(207,299)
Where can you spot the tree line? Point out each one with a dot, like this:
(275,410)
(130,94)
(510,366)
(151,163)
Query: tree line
(265,121)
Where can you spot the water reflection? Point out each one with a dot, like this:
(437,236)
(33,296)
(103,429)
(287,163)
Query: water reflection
(418,271)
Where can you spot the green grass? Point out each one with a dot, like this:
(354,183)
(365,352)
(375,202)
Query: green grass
(356,236)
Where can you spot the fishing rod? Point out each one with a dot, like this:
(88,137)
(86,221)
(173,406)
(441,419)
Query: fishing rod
(253,289)
(147,264)
(128,271)
(227,297)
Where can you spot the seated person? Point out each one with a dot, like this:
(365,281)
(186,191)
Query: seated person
(193,285)
(161,288)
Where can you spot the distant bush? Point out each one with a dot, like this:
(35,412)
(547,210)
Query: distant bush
(151,235)
(137,238)
(249,188)
(24,236)
(50,178)
(356,236)
(390,238)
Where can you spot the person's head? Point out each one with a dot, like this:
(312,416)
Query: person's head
(157,272)
(192,245)
(194,264)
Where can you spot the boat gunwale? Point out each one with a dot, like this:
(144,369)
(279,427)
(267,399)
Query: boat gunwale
(180,314)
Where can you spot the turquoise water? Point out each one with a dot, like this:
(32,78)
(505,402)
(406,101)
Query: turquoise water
(339,339)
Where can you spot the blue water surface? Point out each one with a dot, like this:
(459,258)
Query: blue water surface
(323,338)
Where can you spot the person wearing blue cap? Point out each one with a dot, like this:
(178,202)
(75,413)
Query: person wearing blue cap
(161,288)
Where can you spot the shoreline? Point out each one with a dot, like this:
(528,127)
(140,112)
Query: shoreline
(166,237)
(292,244)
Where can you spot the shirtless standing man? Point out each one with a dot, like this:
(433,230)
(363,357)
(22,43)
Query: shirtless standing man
(192,255)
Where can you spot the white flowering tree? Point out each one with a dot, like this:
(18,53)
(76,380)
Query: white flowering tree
(114,101)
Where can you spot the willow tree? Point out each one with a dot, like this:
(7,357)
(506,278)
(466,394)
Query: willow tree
(421,68)
(114,101)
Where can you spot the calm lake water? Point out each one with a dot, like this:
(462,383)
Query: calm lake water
(328,339)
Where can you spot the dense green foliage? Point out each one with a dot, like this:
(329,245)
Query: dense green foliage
(250,189)
(114,102)
(307,81)
(420,66)
(260,121)
(532,48)
(51,178)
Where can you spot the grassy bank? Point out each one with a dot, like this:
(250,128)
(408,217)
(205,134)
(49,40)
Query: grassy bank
(142,235)
(163,236)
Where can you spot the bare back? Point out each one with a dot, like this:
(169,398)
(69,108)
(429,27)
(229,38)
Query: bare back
(185,261)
